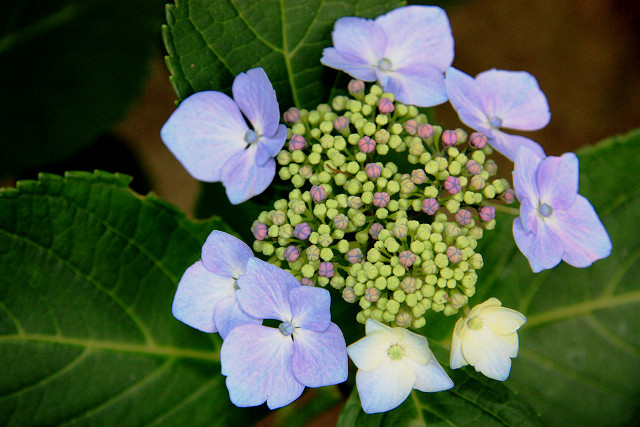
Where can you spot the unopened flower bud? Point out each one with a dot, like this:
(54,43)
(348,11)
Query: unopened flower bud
(354,256)
(487,213)
(404,319)
(473,168)
(449,138)
(306,282)
(430,206)
(425,131)
(372,294)
(409,285)
(385,105)
(509,196)
(418,176)
(381,199)
(477,183)
(491,167)
(406,258)
(260,231)
(478,140)
(291,253)
(277,217)
(452,185)
(373,170)
(297,142)
(340,123)
(355,86)
(366,144)
(305,172)
(341,221)
(454,254)
(375,230)
(302,231)
(292,115)
(464,217)
(400,231)
(348,295)
(411,126)
(318,193)
(326,269)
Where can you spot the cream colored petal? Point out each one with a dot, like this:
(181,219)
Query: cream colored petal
(456,359)
(371,351)
(502,321)
(488,352)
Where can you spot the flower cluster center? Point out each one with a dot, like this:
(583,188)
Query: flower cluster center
(495,122)
(546,210)
(250,137)
(384,64)
(474,323)
(286,328)
(396,352)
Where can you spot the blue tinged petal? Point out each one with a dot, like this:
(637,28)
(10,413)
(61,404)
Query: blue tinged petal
(264,291)
(529,216)
(244,178)
(255,96)
(466,99)
(430,377)
(509,145)
(525,169)
(205,130)
(269,147)
(419,84)
(558,181)
(310,308)
(198,293)
(543,250)
(228,315)
(257,363)
(352,66)
(386,387)
(225,255)
(515,97)
(320,358)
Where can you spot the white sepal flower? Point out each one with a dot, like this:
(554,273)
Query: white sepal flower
(487,339)
(391,362)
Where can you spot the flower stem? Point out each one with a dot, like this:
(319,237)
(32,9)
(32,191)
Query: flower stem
(506,209)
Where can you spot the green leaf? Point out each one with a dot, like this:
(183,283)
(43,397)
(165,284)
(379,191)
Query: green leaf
(474,400)
(580,348)
(71,68)
(209,43)
(89,270)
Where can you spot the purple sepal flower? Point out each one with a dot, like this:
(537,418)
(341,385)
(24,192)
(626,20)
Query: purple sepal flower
(498,99)
(406,51)
(275,364)
(430,206)
(302,231)
(452,185)
(487,213)
(206,295)
(555,223)
(381,199)
(209,135)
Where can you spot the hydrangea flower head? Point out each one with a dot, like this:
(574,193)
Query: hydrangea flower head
(555,222)
(391,362)
(275,364)
(498,99)
(487,339)
(406,50)
(209,135)
(206,295)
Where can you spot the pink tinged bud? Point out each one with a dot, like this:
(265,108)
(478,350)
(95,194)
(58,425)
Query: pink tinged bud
(487,213)
(355,86)
(430,206)
(406,258)
(305,172)
(509,196)
(373,170)
(260,231)
(302,231)
(491,167)
(409,285)
(348,295)
(375,230)
(372,294)
(326,269)
(418,176)
(425,131)
(354,256)
(478,140)
(318,193)
(354,202)
(464,217)
(452,185)
(297,142)
(385,105)
(473,167)
(341,123)
(411,126)
(291,254)
(306,282)
(381,199)
(366,144)
(292,115)
(454,254)
(340,221)
(449,138)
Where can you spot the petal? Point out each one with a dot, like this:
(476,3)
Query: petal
(373,326)
(583,236)
(320,358)
(465,97)
(257,363)
(558,180)
(502,320)
(370,352)
(543,250)
(255,96)
(243,178)
(205,130)
(456,359)
(420,85)
(525,171)
(416,347)
(508,144)
(228,315)
(363,71)
(269,147)
(418,35)
(198,293)
(489,353)
(386,387)
(225,255)
(310,308)
(430,376)
(264,291)
(515,97)
(529,216)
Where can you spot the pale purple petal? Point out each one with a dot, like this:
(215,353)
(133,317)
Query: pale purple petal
(417,35)
(543,250)
(257,363)
(269,147)
(225,255)
(583,236)
(320,358)
(466,98)
(243,178)
(529,216)
(386,387)
(264,291)
(255,96)
(310,308)
(430,377)
(363,71)
(420,85)
(509,145)
(228,315)
(204,132)
(558,181)
(198,293)
(525,171)
(515,97)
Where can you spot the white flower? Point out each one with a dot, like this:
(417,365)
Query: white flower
(391,362)
(487,339)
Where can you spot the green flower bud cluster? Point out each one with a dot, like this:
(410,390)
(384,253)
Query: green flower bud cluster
(397,242)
